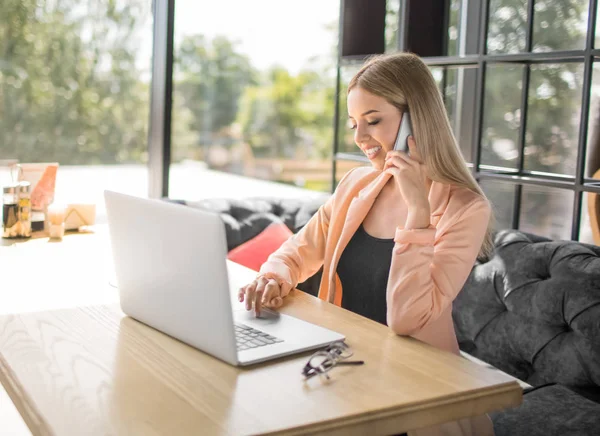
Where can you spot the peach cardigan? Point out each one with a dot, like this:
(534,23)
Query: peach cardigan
(428,269)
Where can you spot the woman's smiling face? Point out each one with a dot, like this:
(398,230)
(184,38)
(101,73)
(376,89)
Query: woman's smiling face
(375,123)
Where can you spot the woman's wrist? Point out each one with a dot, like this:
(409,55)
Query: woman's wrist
(418,217)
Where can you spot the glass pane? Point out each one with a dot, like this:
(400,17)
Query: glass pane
(464,27)
(586,232)
(391,25)
(593,134)
(453,27)
(507,26)
(459,98)
(560,25)
(501,115)
(254,96)
(74,89)
(346,135)
(553,118)
(451,93)
(502,198)
(438,76)
(597,34)
(546,211)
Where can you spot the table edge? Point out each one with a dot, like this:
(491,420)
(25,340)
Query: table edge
(23,403)
(505,390)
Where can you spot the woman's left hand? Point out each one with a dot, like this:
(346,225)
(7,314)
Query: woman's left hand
(410,176)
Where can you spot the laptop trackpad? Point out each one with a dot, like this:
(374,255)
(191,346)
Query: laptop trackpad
(265,315)
(268,314)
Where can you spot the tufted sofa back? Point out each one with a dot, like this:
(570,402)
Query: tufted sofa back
(244,219)
(533,311)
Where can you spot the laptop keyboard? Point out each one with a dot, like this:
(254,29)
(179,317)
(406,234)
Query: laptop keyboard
(247,338)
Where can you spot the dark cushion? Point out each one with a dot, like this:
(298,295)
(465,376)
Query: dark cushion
(549,410)
(245,219)
(533,311)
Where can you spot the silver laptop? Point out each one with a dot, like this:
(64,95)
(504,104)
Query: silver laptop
(171,271)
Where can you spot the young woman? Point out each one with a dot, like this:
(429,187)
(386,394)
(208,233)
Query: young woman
(397,241)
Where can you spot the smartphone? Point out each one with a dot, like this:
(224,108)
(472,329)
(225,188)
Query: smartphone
(404,132)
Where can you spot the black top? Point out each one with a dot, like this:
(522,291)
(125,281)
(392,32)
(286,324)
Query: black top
(364,268)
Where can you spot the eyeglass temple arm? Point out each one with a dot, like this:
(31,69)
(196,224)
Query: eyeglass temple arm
(351,362)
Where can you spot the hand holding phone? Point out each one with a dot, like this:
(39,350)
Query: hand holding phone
(404,132)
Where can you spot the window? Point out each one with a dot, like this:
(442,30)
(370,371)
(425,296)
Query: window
(533,106)
(253,92)
(74,89)
(520,82)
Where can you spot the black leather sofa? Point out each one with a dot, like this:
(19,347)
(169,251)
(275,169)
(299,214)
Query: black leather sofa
(532,310)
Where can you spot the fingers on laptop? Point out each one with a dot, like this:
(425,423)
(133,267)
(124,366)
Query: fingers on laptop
(258,295)
(272,295)
(253,293)
(275,303)
(247,293)
(261,292)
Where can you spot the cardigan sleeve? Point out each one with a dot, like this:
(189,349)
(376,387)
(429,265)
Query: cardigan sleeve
(429,270)
(302,254)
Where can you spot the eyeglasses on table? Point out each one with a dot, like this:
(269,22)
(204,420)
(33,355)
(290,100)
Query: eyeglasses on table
(323,361)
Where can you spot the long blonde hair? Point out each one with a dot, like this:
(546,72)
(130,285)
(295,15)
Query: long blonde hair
(405,81)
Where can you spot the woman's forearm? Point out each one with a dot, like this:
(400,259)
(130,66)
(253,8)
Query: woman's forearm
(418,217)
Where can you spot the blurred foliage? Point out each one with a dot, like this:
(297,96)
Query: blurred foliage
(288,116)
(70,90)
(210,78)
(555,90)
(392,9)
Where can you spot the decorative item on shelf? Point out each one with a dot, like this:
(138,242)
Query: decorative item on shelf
(56,221)
(42,177)
(42,180)
(38,221)
(11,226)
(593,204)
(24,198)
(79,215)
(16,207)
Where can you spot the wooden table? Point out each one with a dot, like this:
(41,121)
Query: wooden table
(74,364)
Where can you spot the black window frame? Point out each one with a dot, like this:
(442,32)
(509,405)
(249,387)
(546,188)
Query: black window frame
(159,135)
(161,97)
(520,177)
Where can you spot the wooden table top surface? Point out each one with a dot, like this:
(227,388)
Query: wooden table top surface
(74,364)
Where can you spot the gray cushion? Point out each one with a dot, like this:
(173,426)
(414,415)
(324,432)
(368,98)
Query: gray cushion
(548,411)
(533,311)
(246,218)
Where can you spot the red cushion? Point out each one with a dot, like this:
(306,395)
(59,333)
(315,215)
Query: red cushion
(254,252)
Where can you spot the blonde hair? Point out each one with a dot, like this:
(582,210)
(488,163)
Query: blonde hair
(405,81)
